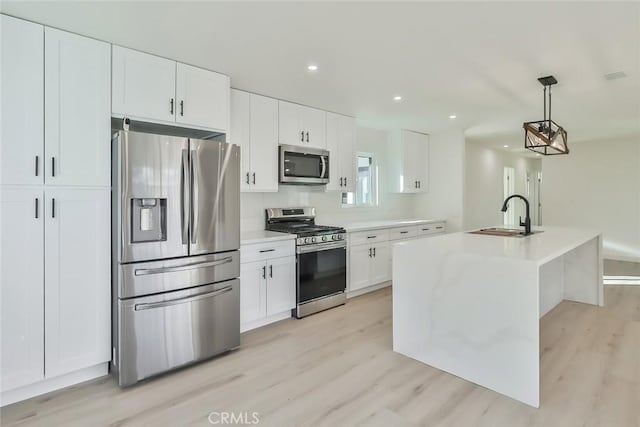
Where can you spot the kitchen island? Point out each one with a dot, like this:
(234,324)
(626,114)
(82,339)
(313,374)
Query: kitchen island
(471,304)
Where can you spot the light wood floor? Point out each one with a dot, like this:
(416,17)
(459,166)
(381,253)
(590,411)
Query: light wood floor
(337,369)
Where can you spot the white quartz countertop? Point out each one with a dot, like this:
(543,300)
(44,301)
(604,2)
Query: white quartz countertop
(262,236)
(539,248)
(390,223)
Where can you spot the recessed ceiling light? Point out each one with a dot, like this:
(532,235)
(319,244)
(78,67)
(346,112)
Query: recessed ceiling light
(312,67)
(505,146)
(397,98)
(453,116)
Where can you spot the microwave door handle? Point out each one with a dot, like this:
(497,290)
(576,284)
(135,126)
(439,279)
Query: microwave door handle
(324,166)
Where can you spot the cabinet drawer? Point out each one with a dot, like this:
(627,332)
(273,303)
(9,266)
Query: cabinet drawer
(403,233)
(371,236)
(262,251)
(437,227)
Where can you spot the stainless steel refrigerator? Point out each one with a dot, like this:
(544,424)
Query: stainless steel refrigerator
(176,240)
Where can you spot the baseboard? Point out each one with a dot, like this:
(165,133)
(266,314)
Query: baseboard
(622,280)
(52,384)
(265,321)
(368,289)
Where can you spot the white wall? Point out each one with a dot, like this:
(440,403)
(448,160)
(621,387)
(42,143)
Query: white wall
(597,186)
(484,192)
(444,198)
(329,204)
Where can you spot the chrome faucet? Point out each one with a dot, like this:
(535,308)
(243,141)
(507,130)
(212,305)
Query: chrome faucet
(527,220)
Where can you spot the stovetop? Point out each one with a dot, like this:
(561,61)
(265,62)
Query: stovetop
(305,230)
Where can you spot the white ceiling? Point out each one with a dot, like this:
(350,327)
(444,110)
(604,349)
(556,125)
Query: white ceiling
(478,60)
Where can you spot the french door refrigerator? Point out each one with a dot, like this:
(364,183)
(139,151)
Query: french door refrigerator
(176,240)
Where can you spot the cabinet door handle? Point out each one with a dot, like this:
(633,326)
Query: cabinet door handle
(374,252)
(419,184)
(171,107)
(340,181)
(307,136)
(264,271)
(371,237)
(182,108)
(345,181)
(439,228)
(53,207)
(369,252)
(37,164)
(271,271)
(254,177)
(266,250)
(302,136)
(53,166)
(37,208)
(404,232)
(426,229)
(247,177)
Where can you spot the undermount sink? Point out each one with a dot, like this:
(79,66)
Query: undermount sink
(502,232)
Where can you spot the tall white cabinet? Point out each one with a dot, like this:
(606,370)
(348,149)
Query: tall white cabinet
(341,135)
(54,208)
(301,125)
(254,127)
(408,162)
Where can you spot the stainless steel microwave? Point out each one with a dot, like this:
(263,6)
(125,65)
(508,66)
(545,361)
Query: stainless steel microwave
(303,165)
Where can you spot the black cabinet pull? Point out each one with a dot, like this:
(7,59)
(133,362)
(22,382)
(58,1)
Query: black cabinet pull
(37,208)
(247,177)
(271,271)
(264,271)
(307,136)
(374,252)
(439,228)
(53,166)
(302,136)
(37,161)
(426,229)
(345,181)
(369,252)
(371,237)
(171,107)
(266,250)
(254,177)
(182,108)
(340,181)
(404,232)
(53,208)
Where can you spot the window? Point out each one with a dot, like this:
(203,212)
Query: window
(366,183)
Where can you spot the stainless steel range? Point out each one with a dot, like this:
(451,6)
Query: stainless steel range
(321,258)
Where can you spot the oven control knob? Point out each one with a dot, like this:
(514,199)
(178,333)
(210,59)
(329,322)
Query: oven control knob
(334,237)
(324,238)
(307,240)
(340,236)
(313,240)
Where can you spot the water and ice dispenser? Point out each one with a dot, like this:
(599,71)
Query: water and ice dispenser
(149,220)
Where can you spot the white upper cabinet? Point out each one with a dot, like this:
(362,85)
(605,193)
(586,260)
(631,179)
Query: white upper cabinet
(341,145)
(143,86)
(22,76)
(148,87)
(77,110)
(77,287)
(202,97)
(254,127)
(301,125)
(409,162)
(21,283)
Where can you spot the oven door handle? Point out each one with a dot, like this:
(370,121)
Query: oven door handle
(319,248)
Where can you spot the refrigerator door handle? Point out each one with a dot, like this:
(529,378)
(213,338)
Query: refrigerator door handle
(184,203)
(190,266)
(147,306)
(194,196)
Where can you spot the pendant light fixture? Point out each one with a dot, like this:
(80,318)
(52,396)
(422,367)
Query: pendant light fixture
(545,136)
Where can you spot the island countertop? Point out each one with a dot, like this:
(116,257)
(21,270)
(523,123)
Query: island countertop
(541,247)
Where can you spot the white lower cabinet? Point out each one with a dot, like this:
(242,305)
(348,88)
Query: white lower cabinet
(22,287)
(56,282)
(267,285)
(369,265)
(77,297)
(371,251)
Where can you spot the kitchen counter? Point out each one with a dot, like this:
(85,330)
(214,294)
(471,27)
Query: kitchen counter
(263,236)
(470,304)
(391,223)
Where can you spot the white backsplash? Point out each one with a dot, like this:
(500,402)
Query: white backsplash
(328,205)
